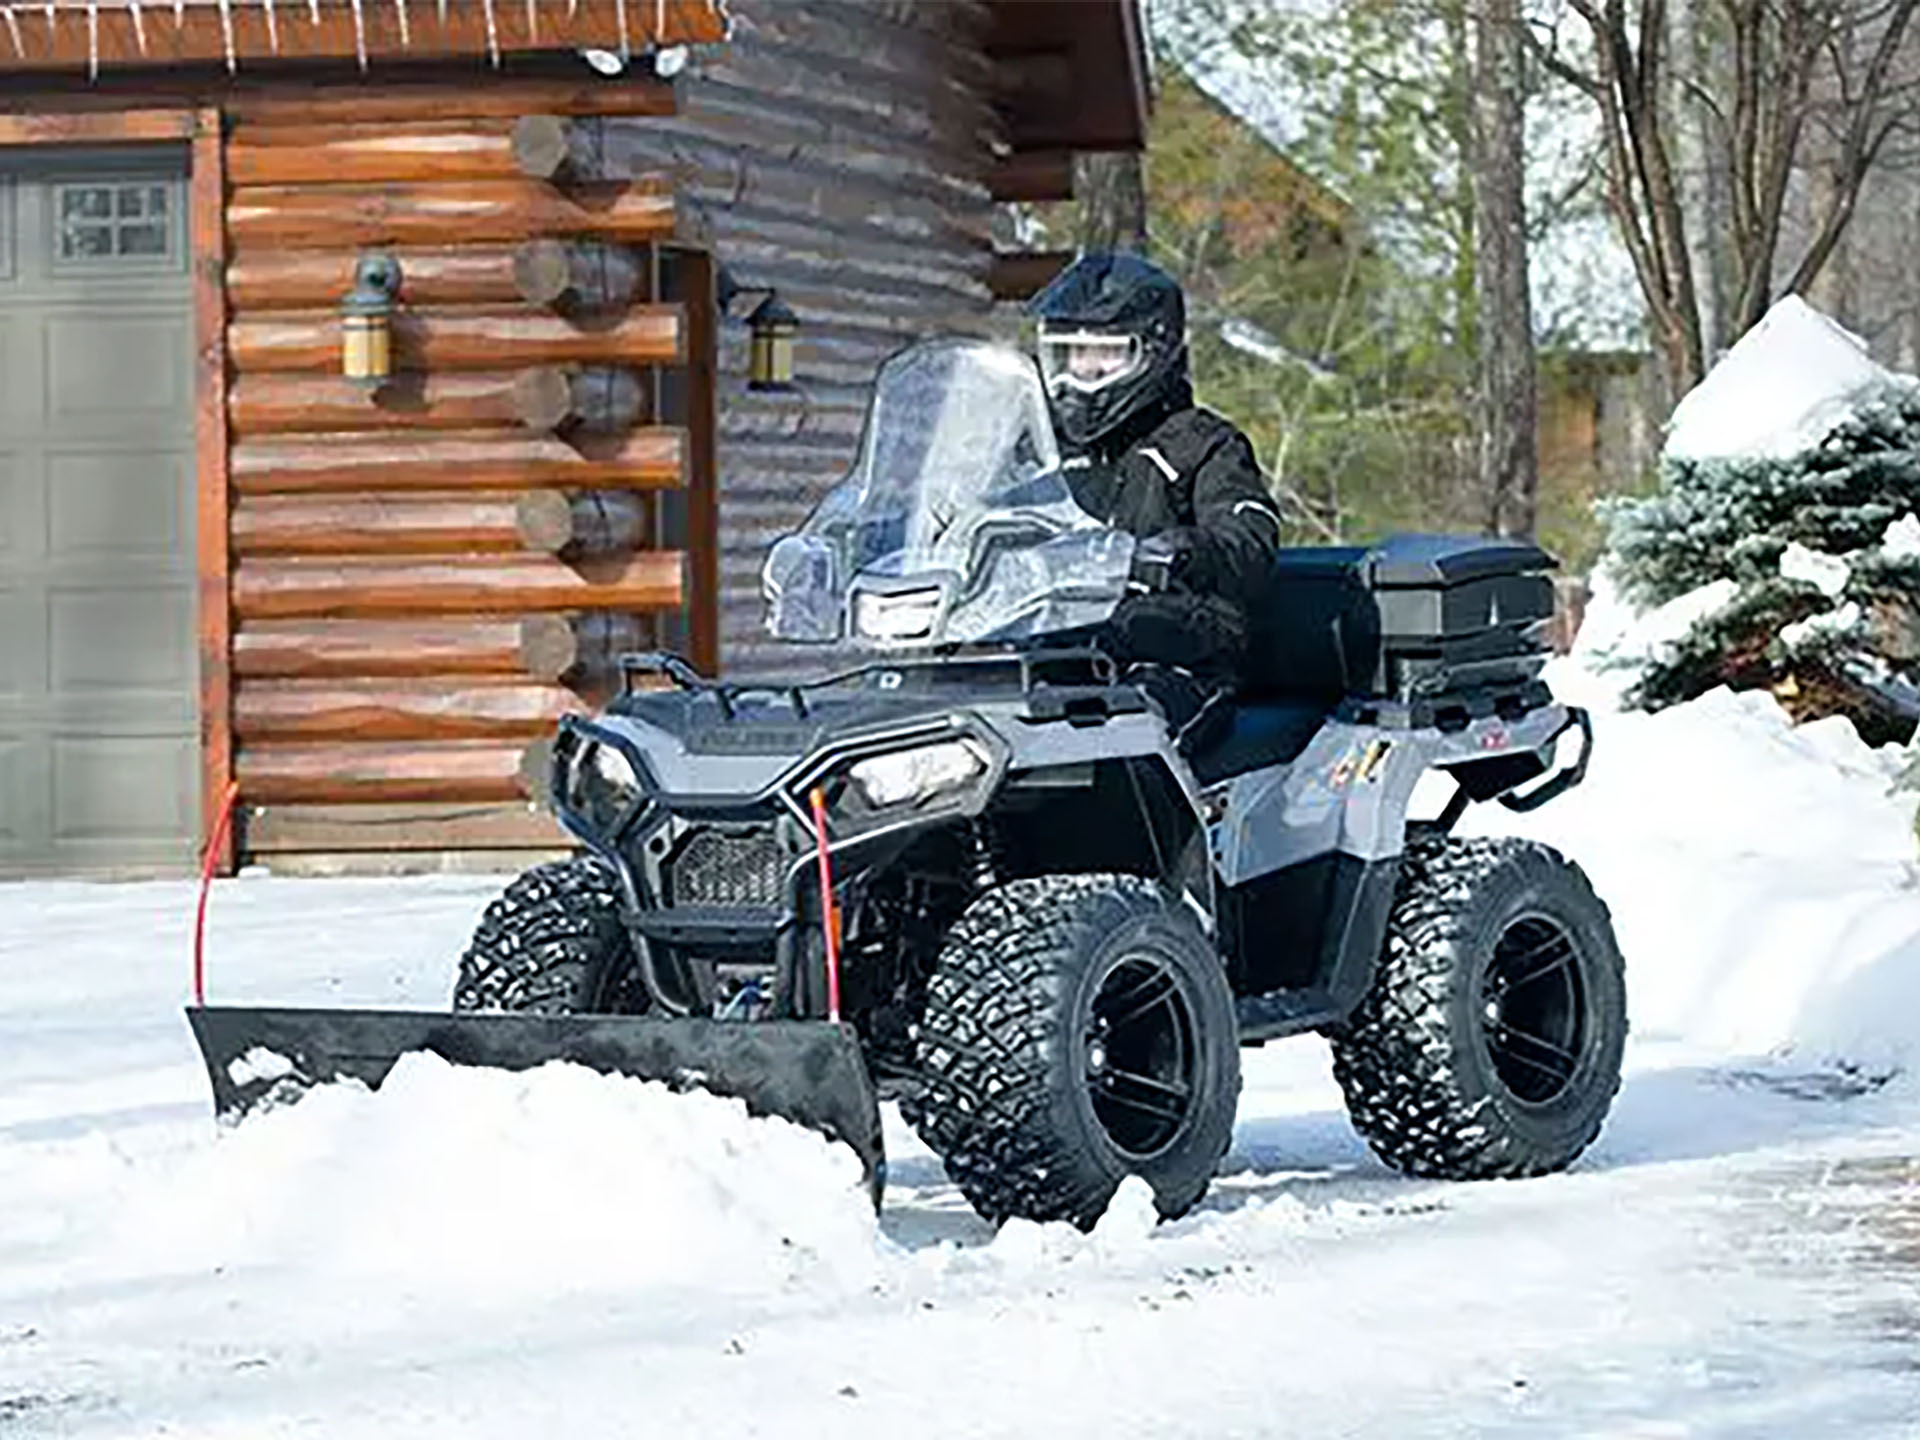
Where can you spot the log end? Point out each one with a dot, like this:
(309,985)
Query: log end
(549,646)
(543,272)
(544,520)
(536,763)
(541,146)
(543,398)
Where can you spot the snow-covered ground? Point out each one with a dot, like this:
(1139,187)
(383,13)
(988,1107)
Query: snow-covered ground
(483,1255)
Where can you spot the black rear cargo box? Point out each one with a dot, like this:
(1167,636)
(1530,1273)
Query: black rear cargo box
(1414,617)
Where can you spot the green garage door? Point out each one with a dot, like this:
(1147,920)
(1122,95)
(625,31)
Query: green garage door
(98,679)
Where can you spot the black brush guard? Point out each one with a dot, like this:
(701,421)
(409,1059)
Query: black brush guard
(810,1072)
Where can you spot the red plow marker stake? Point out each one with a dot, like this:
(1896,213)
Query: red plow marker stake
(829,917)
(215,845)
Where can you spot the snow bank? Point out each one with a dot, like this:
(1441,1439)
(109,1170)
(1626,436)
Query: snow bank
(1780,390)
(1761,875)
(490,1187)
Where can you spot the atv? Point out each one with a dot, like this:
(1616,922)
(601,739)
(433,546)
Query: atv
(984,870)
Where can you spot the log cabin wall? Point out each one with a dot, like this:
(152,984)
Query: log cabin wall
(426,577)
(400,592)
(836,151)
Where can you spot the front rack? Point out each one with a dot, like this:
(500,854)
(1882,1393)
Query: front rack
(1065,670)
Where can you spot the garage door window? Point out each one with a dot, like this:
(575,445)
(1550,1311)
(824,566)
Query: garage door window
(114,222)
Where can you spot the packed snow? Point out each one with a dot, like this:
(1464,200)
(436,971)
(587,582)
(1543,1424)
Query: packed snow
(481,1254)
(1780,390)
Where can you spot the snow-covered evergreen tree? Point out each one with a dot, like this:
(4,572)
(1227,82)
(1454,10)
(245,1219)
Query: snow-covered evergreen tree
(1811,538)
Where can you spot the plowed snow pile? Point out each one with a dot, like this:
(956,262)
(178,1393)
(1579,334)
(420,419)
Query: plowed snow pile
(1761,875)
(487,1187)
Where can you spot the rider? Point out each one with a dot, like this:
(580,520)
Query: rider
(1140,455)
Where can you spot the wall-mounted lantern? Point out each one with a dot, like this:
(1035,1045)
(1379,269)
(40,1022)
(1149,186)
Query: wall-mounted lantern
(771,325)
(366,321)
(770,360)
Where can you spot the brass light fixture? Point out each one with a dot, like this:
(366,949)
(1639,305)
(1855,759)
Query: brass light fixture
(770,358)
(366,321)
(771,326)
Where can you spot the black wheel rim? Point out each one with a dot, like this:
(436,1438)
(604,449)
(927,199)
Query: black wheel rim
(1139,1057)
(1534,1005)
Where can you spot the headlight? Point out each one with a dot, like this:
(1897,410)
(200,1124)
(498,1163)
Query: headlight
(603,785)
(917,775)
(907,615)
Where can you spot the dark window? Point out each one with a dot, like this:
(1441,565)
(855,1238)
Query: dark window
(102,222)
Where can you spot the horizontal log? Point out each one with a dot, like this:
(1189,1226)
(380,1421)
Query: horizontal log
(467,340)
(293,404)
(347,773)
(371,154)
(385,829)
(581,650)
(578,276)
(327,649)
(644,459)
(598,400)
(376,525)
(116,127)
(286,101)
(93,37)
(300,588)
(464,211)
(591,523)
(274,279)
(279,710)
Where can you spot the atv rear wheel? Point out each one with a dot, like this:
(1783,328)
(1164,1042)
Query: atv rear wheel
(1078,1030)
(1490,1043)
(553,943)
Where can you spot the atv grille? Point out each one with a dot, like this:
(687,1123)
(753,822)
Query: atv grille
(740,870)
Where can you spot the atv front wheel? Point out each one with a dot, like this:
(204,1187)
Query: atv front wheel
(1078,1030)
(1490,1043)
(553,943)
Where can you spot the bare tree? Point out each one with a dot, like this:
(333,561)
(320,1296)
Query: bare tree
(1508,399)
(1788,88)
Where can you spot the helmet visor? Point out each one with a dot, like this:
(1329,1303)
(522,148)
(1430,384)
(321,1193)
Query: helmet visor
(1088,360)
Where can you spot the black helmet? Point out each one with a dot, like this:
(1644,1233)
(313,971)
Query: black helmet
(1113,343)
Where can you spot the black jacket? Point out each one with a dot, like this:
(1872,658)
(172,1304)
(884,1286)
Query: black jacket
(1193,474)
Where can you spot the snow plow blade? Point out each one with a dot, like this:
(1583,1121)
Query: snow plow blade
(808,1071)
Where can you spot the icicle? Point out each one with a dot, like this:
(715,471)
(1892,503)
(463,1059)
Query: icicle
(659,24)
(226,35)
(533,22)
(443,13)
(53,29)
(313,12)
(93,39)
(620,14)
(273,26)
(573,8)
(360,34)
(139,25)
(493,32)
(406,25)
(179,13)
(13,30)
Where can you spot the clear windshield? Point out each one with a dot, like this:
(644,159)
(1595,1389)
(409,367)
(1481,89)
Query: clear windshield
(955,523)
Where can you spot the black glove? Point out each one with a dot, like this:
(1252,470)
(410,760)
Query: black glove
(1200,633)
(1164,562)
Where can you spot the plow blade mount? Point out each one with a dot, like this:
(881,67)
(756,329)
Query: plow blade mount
(808,1071)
